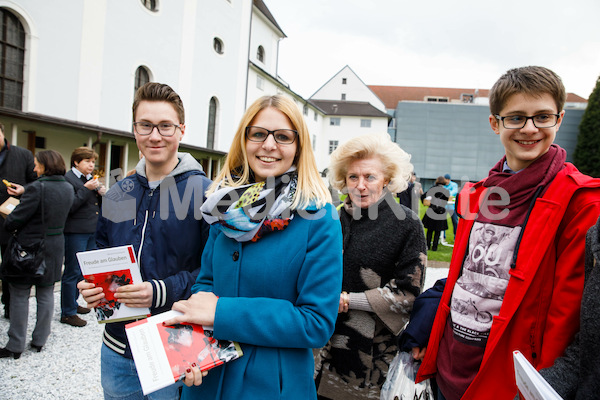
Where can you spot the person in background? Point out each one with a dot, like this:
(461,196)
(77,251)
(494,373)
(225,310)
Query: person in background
(452,188)
(417,193)
(80,230)
(384,267)
(168,241)
(42,211)
(435,220)
(575,374)
(406,197)
(272,269)
(517,269)
(16,167)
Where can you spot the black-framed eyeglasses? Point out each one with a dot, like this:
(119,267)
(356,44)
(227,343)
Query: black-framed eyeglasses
(539,121)
(164,128)
(281,136)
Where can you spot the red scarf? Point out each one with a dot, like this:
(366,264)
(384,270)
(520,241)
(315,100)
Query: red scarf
(521,186)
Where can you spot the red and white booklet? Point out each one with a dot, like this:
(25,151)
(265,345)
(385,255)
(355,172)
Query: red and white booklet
(110,268)
(163,353)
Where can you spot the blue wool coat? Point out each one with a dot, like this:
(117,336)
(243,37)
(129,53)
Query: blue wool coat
(278,297)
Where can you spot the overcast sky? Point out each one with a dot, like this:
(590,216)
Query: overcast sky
(439,43)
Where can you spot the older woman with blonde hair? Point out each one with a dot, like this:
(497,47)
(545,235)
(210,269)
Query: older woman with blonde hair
(272,266)
(384,267)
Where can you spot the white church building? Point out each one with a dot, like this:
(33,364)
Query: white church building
(69,70)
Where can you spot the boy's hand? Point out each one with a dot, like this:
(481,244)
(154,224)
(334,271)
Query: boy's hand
(90,293)
(418,353)
(138,295)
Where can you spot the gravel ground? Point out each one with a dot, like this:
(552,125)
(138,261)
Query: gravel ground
(68,367)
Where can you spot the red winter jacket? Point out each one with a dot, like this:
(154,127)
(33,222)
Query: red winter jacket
(540,312)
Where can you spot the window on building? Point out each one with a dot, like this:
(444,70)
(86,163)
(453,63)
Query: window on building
(314,142)
(437,99)
(260,54)
(218,45)
(343,96)
(344,81)
(365,123)
(40,142)
(315,115)
(333,144)
(12,60)
(260,82)
(305,110)
(466,98)
(334,121)
(151,5)
(212,123)
(142,76)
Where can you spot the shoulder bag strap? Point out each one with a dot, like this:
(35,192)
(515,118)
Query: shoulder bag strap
(44,224)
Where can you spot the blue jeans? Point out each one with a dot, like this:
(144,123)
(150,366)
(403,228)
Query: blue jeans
(453,217)
(74,243)
(440,395)
(120,380)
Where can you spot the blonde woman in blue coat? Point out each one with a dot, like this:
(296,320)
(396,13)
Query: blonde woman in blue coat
(272,267)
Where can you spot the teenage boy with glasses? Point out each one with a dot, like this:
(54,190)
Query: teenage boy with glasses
(529,273)
(168,248)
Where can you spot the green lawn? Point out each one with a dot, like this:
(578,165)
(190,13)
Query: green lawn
(443,253)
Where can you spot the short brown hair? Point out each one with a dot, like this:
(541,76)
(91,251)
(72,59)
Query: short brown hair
(154,91)
(531,81)
(53,162)
(82,153)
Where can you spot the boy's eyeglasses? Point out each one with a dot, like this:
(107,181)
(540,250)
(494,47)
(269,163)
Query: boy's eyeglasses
(281,136)
(539,121)
(146,128)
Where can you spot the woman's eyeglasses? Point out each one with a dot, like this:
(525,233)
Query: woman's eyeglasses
(281,136)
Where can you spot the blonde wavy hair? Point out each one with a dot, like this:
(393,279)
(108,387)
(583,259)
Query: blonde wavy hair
(311,188)
(396,162)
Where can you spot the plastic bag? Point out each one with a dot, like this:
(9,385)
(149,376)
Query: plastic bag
(400,381)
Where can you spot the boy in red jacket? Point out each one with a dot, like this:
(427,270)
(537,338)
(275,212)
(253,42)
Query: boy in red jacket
(517,269)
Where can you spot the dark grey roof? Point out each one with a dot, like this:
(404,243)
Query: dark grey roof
(348,108)
(263,9)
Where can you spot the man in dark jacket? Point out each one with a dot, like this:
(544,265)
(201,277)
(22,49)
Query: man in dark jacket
(80,230)
(157,210)
(16,166)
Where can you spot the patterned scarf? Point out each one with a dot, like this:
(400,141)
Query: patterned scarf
(248,212)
